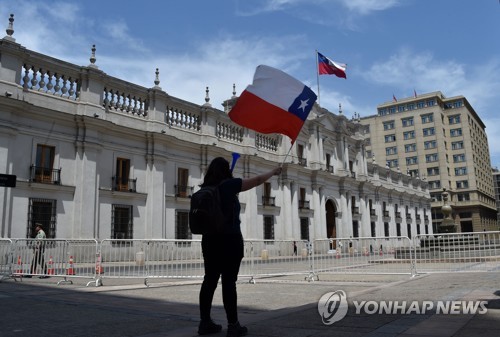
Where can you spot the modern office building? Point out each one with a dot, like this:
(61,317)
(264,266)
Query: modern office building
(443,141)
(98,157)
(496,183)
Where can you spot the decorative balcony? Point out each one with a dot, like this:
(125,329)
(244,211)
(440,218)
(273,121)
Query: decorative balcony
(268,201)
(45,175)
(372,212)
(355,210)
(124,185)
(183,191)
(303,204)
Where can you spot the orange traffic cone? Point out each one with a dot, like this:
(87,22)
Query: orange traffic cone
(98,266)
(19,269)
(50,267)
(71,268)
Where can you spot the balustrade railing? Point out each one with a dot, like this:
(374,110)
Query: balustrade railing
(121,101)
(40,77)
(266,142)
(230,132)
(45,175)
(268,201)
(38,74)
(183,191)
(124,185)
(179,118)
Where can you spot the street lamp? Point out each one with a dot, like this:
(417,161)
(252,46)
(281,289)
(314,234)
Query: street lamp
(434,217)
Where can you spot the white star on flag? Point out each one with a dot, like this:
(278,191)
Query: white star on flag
(303,104)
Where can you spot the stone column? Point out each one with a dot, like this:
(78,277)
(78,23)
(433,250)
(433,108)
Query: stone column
(319,216)
(286,185)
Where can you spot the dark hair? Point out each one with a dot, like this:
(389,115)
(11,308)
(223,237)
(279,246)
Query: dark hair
(217,171)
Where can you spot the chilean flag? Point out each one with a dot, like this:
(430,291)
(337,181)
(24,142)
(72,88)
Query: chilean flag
(274,103)
(329,67)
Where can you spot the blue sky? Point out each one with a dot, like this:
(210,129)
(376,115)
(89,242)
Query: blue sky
(391,47)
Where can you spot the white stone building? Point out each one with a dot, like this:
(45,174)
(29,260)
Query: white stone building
(98,157)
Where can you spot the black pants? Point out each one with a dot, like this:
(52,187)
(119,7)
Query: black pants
(222,255)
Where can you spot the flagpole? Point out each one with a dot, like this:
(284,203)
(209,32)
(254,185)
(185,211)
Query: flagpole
(317,75)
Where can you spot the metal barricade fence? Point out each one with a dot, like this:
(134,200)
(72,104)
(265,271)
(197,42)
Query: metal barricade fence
(174,259)
(457,252)
(54,257)
(266,258)
(246,267)
(5,258)
(122,258)
(363,255)
(157,259)
(150,259)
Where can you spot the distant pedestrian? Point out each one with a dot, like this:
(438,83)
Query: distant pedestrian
(38,251)
(294,248)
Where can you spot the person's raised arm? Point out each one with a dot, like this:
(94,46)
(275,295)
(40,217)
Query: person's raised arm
(249,183)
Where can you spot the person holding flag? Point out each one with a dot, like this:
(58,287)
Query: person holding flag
(223,252)
(274,103)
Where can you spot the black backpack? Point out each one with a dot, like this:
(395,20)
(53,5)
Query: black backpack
(205,214)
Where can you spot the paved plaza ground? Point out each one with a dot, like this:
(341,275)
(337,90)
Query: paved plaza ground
(271,307)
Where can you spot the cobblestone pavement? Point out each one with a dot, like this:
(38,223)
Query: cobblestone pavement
(271,307)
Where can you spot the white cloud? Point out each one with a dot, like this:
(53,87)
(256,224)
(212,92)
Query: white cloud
(408,69)
(37,26)
(421,71)
(365,7)
(66,33)
(354,7)
(218,64)
(493,133)
(256,7)
(118,33)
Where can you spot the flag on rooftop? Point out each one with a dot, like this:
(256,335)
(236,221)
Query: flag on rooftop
(329,67)
(274,103)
